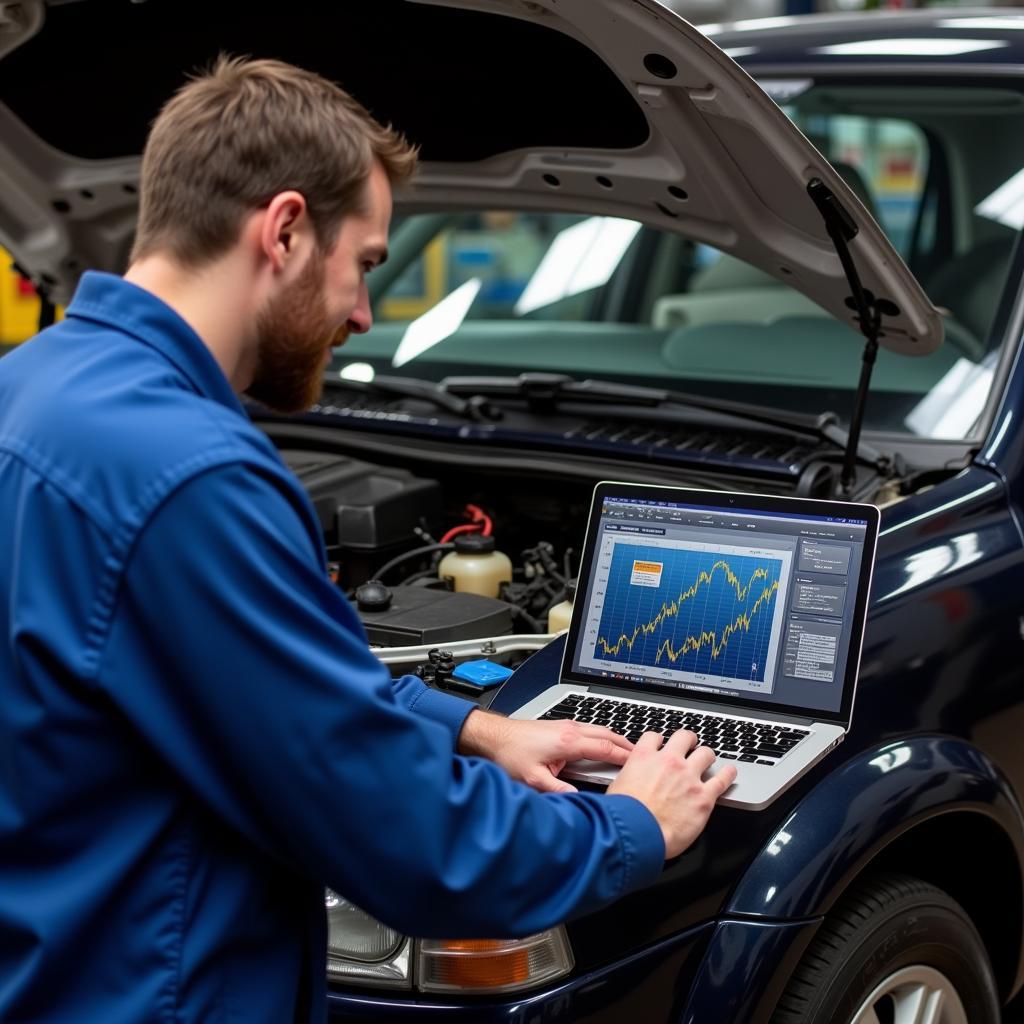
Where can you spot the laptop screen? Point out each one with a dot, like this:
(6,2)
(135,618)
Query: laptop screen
(759,603)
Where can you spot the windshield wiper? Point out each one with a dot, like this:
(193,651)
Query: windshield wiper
(476,407)
(471,398)
(544,392)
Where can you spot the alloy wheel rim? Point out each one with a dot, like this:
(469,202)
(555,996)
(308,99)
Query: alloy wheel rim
(913,995)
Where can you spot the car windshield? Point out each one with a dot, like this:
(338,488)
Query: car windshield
(509,290)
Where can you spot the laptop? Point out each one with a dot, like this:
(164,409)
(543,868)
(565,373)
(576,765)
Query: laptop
(737,616)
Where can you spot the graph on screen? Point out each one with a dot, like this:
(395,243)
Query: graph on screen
(700,611)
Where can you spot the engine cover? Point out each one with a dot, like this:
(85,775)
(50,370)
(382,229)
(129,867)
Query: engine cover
(363,507)
(419,615)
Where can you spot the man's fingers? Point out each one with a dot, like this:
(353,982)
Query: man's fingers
(685,739)
(649,741)
(721,781)
(702,758)
(601,748)
(603,733)
(549,784)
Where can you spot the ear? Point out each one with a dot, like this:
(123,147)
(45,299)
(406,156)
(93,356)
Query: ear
(286,231)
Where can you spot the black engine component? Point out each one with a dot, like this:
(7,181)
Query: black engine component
(419,615)
(381,526)
(438,668)
(367,512)
(373,596)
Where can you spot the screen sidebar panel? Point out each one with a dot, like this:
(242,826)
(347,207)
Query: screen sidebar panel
(754,604)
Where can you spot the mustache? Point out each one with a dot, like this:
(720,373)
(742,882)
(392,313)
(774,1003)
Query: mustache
(340,336)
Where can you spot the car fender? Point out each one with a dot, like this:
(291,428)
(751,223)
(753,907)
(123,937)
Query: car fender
(834,833)
(860,808)
(745,969)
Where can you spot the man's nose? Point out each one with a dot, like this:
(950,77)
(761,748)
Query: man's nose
(361,318)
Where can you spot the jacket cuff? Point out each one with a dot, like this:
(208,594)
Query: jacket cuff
(444,708)
(643,845)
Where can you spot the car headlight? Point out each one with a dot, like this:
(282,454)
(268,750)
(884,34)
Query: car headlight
(363,951)
(360,948)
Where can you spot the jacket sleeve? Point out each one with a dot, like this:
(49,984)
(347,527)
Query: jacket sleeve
(445,708)
(248,674)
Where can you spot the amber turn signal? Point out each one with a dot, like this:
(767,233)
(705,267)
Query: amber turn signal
(492,965)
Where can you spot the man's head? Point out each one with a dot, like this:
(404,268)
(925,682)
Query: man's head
(275,159)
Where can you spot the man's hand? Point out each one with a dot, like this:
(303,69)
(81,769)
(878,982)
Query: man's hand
(667,781)
(535,752)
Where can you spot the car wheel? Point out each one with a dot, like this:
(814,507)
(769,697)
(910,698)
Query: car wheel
(894,950)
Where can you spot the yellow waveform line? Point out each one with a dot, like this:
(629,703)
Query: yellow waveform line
(708,636)
(668,610)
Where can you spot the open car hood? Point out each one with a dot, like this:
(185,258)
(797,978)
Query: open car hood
(610,107)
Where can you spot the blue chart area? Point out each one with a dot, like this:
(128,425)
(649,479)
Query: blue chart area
(711,612)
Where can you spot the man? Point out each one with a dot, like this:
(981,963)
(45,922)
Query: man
(194,736)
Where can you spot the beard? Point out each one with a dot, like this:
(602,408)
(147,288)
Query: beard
(293,334)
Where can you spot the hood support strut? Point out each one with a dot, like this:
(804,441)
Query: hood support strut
(841,229)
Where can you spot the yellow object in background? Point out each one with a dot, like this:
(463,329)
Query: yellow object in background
(19,304)
(423,290)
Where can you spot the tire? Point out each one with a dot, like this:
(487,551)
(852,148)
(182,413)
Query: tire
(890,941)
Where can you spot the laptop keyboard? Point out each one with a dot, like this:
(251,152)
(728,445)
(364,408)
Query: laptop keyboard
(734,739)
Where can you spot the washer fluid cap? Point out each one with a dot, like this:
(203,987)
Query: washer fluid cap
(373,596)
(482,673)
(473,544)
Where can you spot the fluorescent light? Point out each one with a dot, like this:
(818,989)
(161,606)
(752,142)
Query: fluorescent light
(784,90)
(921,567)
(1011,23)
(740,51)
(436,324)
(890,759)
(950,409)
(934,513)
(1006,204)
(759,23)
(926,565)
(910,47)
(579,258)
(357,371)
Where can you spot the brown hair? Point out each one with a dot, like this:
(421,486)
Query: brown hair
(231,139)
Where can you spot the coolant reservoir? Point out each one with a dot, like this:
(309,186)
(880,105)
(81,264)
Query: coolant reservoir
(561,613)
(475,567)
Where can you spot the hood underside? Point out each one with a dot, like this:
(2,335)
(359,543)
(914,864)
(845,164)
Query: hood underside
(611,107)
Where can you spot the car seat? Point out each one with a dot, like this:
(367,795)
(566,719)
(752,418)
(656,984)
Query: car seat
(730,289)
(970,285)
(795,351)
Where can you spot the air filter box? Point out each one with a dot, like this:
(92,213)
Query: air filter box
(363,507)
(419,615)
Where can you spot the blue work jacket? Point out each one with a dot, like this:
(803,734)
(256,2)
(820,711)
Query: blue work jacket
(194,736)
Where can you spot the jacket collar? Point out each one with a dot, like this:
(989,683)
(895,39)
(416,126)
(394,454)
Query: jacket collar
(123,306)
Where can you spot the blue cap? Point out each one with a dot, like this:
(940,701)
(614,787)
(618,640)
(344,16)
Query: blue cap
(482,673)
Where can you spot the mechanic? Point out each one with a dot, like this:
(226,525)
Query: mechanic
(194,736)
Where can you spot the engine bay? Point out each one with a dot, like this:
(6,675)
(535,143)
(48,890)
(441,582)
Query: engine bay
(457,541)
(451,560)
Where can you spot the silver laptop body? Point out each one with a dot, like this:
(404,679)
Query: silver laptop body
(738,616)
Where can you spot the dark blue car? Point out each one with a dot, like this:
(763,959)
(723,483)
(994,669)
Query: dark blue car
(618,263)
